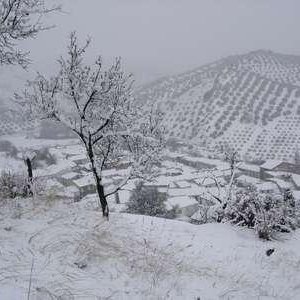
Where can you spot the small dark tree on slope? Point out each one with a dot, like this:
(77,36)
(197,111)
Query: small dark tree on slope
(97,105)
(146,200)
(20,20)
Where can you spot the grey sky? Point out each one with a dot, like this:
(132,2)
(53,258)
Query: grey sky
(159,37)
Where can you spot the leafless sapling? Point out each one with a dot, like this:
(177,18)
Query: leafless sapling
(98,106)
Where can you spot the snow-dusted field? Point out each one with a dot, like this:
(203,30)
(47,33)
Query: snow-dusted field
(52,249)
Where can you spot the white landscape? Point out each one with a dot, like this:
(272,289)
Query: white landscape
(149,185)
(78,255)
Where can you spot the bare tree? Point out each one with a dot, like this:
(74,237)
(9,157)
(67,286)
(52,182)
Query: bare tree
(97,105)
(20,20)
(224,190)
(28,157)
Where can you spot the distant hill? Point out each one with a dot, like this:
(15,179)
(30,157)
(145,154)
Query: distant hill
(249,102)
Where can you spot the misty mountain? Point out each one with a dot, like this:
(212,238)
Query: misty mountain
(249,102)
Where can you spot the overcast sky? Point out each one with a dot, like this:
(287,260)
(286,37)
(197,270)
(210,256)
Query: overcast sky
(160,37)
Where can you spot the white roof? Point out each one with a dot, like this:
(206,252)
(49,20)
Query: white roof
(248,179)
(181,202)
(183,184)
(162,180)
(81,156)
(162,189)
(53,183)
(114,172)
(296,179)
(69,175)
(69,191)
(281,183)
(271,164)
(296,195)
(85,180)
(267,186)
(248,167)
(72,149)
(194,190)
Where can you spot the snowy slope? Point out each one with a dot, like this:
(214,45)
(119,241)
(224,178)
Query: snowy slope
(75,254)
(234,102)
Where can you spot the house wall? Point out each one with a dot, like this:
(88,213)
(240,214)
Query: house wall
(87,190)
(283,167)
(250,173)
(194,164)
(288,167)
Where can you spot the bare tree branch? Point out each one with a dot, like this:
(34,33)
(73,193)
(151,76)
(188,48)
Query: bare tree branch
(20,20)
(97,105)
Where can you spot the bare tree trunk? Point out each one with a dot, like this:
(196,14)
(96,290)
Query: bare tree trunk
(101,195)
(117,198)
(99,186)
(30,176)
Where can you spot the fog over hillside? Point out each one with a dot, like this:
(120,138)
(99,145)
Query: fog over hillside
(163,37)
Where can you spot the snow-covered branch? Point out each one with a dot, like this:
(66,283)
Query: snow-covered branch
(20,20)
(98,106)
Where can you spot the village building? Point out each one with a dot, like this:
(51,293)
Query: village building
(268,187)
(249,169)
(185,205)
(86,185)
(282,184)
(247,181)
(182,184)
(296,194)
(79,159)
(296,181)
(277,166)
(67,179)
(71,192)
(197,162)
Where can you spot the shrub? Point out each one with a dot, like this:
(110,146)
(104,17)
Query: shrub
(43,159)
(149,201)
(266,213)
(8,148)
(12,185)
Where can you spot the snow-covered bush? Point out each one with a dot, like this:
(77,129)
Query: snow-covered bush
(8,148)
(266,213)
(14,185)
(43,158)
(209,211)
(147,200)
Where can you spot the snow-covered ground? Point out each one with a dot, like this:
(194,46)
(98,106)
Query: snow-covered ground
(68,251)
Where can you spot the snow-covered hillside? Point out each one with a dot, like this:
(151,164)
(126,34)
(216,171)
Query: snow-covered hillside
(237,101)
(68,251)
